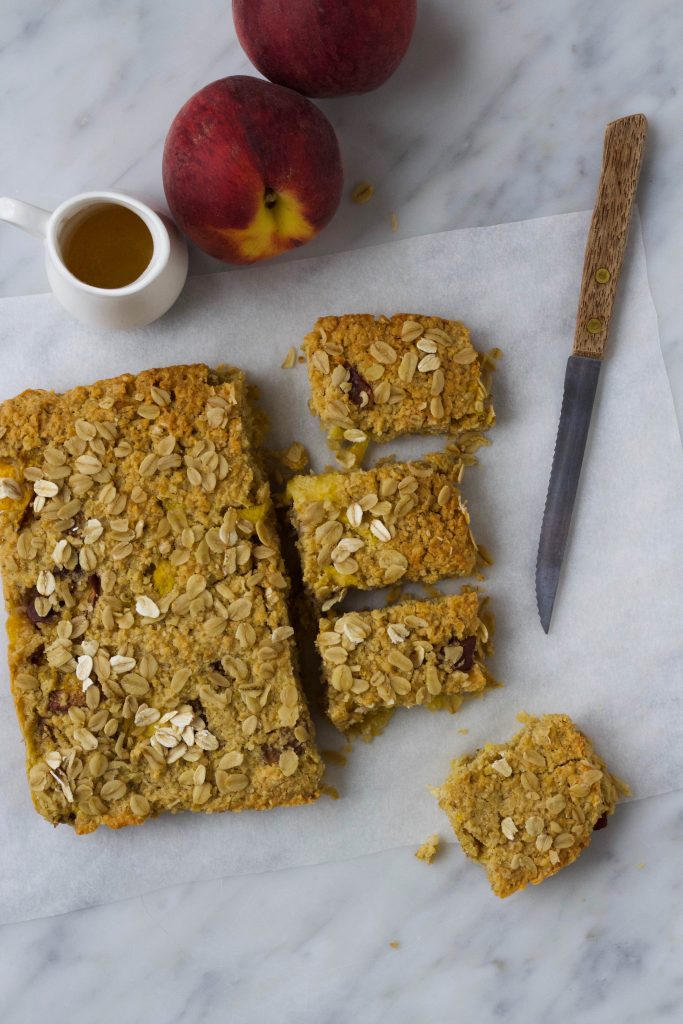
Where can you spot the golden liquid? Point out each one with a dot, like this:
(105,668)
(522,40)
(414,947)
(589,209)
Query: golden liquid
(107,246)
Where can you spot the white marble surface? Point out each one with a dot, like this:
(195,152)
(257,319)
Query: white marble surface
(496,115)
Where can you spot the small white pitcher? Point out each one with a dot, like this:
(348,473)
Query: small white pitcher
(139,303)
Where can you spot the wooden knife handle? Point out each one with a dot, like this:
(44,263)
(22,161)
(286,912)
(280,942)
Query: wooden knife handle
(621,159)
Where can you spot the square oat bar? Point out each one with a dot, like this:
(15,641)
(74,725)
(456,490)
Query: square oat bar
(411,653)
(527,808)
(371,528)
(401,375)
(151,656)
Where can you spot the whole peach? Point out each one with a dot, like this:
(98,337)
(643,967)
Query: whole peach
(325,47)
(251,169)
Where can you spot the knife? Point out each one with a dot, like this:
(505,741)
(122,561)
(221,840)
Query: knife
(621,160)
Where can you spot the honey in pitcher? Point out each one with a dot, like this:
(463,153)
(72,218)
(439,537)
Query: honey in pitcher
(107,246)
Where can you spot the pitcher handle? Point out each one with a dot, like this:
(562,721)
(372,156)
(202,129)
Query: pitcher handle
(26,216)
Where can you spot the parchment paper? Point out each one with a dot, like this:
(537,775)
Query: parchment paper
(614,657)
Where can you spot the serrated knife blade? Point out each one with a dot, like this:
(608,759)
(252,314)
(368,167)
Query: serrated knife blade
(621,162)
(580,383)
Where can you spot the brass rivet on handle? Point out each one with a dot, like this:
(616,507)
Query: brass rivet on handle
(602,275)
(595,325)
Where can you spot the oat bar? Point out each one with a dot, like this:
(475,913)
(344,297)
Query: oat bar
(151,656)
(410,653)
(385,377)
(527,808)
(369,528)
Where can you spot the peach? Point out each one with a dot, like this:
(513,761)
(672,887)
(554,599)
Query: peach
(251,169)
(325,47)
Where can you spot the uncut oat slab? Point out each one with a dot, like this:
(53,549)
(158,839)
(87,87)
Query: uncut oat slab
(400,375)
(151,656)
(371,528)
(408,654)
(527,808)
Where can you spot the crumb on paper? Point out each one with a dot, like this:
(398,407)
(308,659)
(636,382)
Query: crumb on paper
(282,464)
(463,732)
(290,359)
(372,726)
(331,791)
(349,447)
(345,458)
(395,944)
(465,447)
(427,852)
(295,457)
(362,192)
(394,222)
(485,555)
(333,757)
(640,865)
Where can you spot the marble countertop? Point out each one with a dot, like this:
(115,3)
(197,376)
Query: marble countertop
(496,115)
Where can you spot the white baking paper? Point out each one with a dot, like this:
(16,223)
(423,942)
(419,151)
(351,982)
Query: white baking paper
(614,657)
